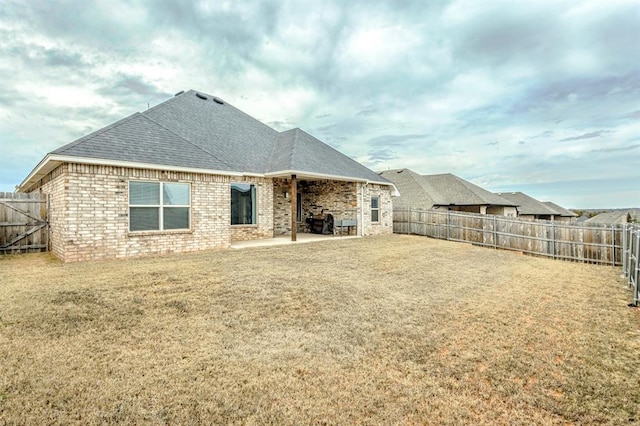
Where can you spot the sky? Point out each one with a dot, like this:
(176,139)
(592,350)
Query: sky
(535,96)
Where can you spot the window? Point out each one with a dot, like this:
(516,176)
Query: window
(243,204)
(375,209)
(299,207)
(158,206)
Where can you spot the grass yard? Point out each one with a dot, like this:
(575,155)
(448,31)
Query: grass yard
(380,330)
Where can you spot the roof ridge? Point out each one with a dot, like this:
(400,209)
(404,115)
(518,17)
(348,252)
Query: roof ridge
(185,139)
(95,133)
(294,144)
(171,99)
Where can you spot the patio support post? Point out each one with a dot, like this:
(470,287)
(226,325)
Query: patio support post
(294,207)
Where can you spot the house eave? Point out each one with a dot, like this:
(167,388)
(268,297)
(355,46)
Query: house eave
(301,174)
(51,161)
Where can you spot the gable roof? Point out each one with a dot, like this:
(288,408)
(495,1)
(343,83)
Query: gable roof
(427,191)
(528,205)
(197,132)
(616,216)
(561,211)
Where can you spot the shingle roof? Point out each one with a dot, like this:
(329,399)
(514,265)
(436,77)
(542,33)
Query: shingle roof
(616,216)
(296,150)
(427,191)
(198,131)
(561,211)
(139,139)
(239,140)
(528,205)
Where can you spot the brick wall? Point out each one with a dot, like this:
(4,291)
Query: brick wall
(53,184)
(341,199)
(319,197)
(89,213)
(385,214)
(264,223)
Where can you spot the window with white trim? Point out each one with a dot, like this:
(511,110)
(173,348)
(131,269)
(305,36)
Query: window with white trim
(159,206)
(375,209)
(243,204)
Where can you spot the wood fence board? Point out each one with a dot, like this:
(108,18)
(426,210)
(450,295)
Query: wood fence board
(23,222)
(581,243)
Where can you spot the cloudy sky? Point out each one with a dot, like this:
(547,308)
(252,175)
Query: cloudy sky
(534,96)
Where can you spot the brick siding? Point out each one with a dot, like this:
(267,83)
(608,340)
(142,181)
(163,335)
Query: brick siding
(89,211)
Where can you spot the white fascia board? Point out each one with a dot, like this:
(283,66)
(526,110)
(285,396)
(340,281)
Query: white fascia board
(51,161)
(303,174)
(299,173)
(41,170)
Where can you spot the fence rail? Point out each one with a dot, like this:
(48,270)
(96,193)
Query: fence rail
(557,240)
(23,222)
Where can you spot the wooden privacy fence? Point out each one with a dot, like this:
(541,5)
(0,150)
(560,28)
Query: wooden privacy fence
(23,222)
(557,240)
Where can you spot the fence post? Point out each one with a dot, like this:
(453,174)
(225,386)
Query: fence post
(448,223)
(636,290)
(553,240)
(409,221)
(625,251)
(495,233)
(613,246)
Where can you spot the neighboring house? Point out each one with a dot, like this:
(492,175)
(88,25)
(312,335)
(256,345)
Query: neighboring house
(195,173)
(530,208)
(446,192)
(616,217)
(563,214)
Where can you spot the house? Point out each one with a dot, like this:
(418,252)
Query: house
(195,173)
(529,208)
(446,192)
(616,217)
(563,215)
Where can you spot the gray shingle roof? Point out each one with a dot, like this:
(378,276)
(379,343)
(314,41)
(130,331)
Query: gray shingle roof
(196,130)
(616,216)
(427,191)
(296,150)
(139,139)
(561,211)
(528,205)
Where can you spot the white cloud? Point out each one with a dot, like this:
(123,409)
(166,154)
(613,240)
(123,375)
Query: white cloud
(494,91)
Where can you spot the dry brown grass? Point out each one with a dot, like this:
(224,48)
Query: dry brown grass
(385,330)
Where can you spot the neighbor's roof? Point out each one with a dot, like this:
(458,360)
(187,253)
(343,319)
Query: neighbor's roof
(561,210)
(427,191)
(616,216)
(198,132)
(528,205)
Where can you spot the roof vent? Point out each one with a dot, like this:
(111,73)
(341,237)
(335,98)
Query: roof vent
(218,100)
(179,93)
(201,96)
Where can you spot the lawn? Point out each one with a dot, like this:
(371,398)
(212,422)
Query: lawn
(379,330)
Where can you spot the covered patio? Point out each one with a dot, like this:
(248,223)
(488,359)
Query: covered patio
(301,201)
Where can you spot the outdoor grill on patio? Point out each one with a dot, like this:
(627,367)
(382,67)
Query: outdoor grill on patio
(320,224)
